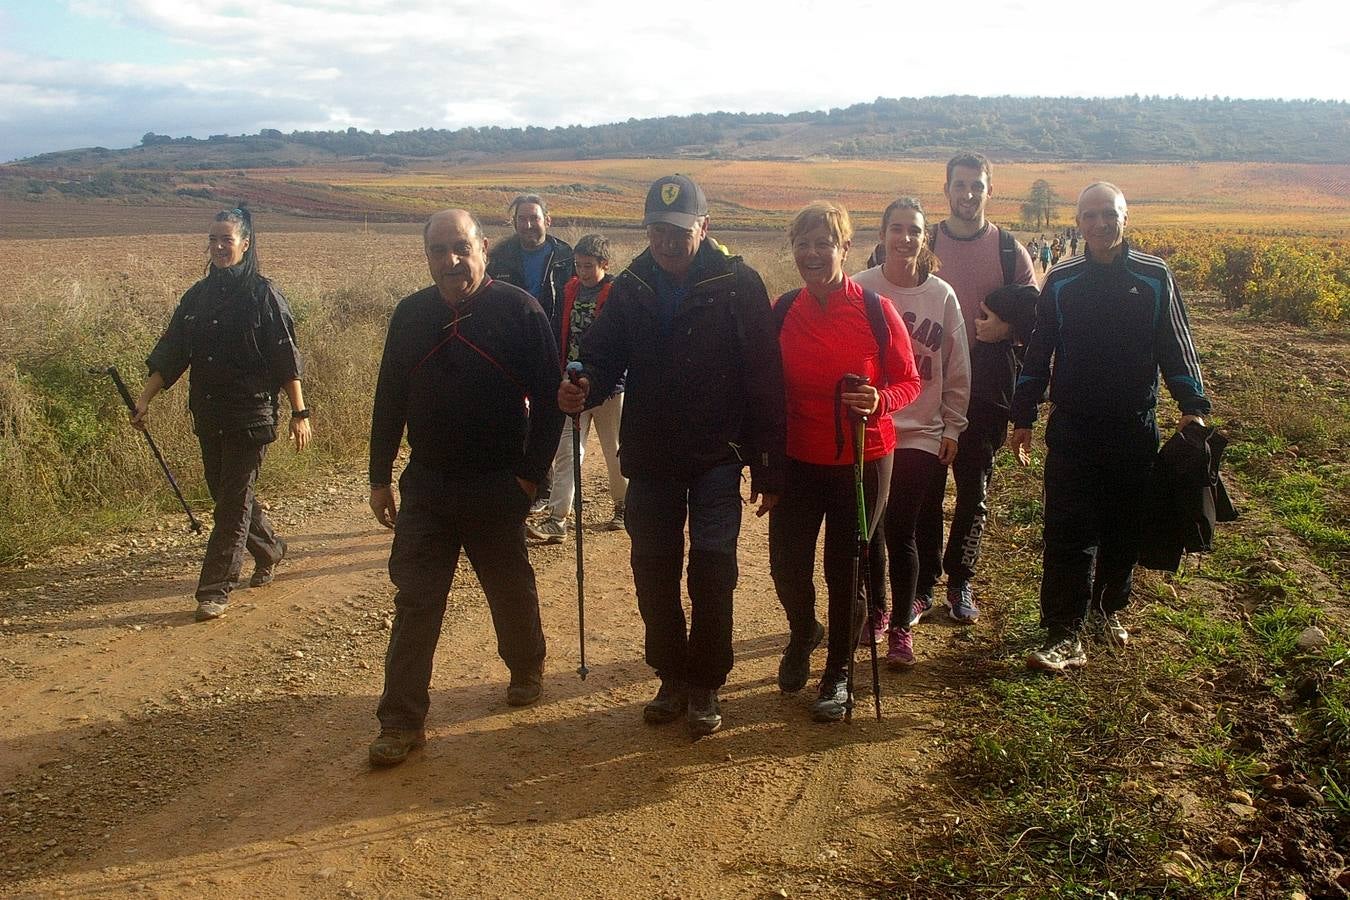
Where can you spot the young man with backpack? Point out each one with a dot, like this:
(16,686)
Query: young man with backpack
(978,259)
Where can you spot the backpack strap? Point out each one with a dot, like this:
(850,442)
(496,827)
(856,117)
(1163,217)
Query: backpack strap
(876,320)
(1007,255)
(781,307)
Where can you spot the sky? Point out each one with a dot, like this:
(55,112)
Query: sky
(83,73)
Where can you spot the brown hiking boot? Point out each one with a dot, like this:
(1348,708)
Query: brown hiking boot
(394,744)
(526,686)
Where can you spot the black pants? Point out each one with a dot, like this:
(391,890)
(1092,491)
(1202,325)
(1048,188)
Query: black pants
(972,469)
(700,652)
(913,526)
(1096,489)
(812,493)
(231,461)
(484,514)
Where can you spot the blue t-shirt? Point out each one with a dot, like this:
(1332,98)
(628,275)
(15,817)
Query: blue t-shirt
(670,293)
(533,262)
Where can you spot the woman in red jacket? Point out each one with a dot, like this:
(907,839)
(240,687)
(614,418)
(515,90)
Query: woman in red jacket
(828,329)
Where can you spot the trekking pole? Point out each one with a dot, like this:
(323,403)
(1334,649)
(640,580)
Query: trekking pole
(574,375)
(862,536)
(112,373)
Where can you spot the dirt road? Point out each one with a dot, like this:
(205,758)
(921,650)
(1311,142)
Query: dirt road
(145,753)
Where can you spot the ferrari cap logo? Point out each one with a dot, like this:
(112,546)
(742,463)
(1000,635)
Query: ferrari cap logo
(669,192)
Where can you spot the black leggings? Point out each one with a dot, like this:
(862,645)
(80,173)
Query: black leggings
(914,511)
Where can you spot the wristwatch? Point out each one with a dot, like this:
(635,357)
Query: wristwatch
(300,414)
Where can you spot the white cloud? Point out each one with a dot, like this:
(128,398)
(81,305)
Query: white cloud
(401,64)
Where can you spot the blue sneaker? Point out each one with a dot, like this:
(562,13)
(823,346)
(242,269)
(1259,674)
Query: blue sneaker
(961,604)
(923,605)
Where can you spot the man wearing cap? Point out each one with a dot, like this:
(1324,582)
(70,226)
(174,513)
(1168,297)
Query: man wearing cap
(691,326)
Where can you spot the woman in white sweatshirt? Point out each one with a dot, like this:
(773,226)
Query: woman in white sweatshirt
(925,430)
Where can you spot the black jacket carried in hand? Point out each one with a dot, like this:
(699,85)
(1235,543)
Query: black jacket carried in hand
(994,365)
(237,335)
(1188,498)
(708,391)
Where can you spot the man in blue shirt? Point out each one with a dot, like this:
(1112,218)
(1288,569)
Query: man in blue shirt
(541,264)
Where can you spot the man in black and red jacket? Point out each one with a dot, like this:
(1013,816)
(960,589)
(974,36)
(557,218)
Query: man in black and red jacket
(470,368)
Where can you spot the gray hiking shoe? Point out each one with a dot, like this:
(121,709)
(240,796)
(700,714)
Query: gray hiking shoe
(550,531)
(1061,651)
(831,699)
(263,575)
(394,744)
(210,609)
(616,523)
(1107,628)
(961,604)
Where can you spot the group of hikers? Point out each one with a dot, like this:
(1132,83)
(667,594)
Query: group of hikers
(848,399)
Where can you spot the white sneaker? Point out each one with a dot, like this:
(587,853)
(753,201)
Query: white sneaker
(550,531)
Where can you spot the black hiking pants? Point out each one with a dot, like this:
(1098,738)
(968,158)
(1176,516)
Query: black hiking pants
(231,460)
(1097,479)
(814,493)
(698,652)
(971,470)
(443,513)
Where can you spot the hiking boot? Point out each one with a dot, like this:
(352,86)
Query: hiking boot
(394,744)
(670,701)
(526,686)
(831,698)
(1062,650)
(263,575)
(795,666)
(961,604)
(550,531)
(616,522)
(877,634)
(1106,627)
(705,712)
(923,605)
(899,648)
(210,609)
(540,505)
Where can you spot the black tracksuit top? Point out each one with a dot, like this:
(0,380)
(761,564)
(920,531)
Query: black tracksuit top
(476,386)
(1109,329)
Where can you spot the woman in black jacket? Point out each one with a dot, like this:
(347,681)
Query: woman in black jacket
(234,330)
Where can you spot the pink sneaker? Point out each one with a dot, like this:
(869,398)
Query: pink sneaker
(877,634)
(899,649)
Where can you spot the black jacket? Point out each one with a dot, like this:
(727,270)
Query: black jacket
(460,379)
(506,262)
(1187,498)
(994,366)
(707,393)
(1109,329)
(238,337)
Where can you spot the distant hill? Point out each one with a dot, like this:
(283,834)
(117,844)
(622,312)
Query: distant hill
(1119,129)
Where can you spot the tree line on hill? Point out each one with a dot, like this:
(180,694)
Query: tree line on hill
(1124,129)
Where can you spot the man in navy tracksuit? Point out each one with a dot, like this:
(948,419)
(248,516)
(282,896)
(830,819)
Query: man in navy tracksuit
(1109,321)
